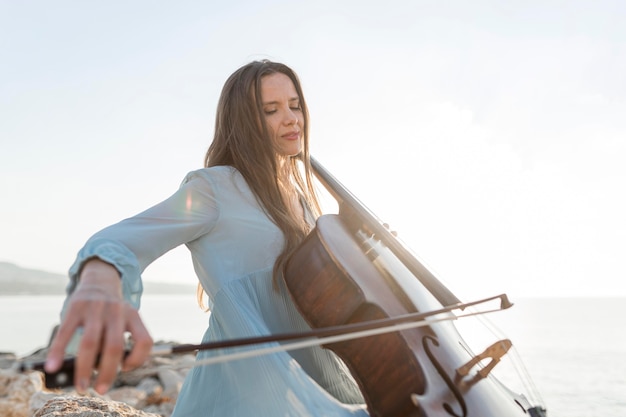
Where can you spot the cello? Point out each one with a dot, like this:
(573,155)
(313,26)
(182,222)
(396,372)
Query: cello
(351,269)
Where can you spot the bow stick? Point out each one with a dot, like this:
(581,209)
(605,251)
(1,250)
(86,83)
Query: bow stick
(65,375)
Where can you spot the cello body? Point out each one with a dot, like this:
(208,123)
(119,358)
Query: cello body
(350,269)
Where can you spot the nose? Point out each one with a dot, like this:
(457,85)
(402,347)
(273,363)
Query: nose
(291,118)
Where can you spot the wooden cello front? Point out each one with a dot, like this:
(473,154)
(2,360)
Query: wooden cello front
(347,271)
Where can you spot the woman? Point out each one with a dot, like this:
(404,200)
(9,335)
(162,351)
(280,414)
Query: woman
(240,217)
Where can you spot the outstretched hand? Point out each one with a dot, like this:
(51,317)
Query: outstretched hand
(97,305)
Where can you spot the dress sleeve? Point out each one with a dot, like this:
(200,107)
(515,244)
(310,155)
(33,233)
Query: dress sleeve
(132,244)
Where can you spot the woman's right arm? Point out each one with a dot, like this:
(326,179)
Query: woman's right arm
(106,284)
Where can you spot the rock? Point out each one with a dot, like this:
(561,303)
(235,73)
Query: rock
(88,407)
(39,399)
(16,391)
(130,395)
(150,390)
(7,359)
(172,382)
(151,387)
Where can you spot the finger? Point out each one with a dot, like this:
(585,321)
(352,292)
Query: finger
(62,337)
(112,349)
(142,342)
(88,350)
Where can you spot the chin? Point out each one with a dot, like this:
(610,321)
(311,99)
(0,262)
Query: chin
(289,153)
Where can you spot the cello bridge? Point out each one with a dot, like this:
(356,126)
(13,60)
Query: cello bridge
(496,351)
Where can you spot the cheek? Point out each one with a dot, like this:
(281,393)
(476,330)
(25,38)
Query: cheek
(300,122)
(272,126)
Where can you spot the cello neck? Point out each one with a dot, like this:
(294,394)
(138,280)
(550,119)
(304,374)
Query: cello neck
(353,211)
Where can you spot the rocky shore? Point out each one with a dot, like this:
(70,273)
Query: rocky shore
(148,391)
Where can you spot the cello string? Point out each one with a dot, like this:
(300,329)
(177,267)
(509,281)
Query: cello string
(515,359)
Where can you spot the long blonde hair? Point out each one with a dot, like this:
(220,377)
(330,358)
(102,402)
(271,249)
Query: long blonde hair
(242,140)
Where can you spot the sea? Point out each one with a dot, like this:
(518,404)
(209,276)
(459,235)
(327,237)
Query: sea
(572,349)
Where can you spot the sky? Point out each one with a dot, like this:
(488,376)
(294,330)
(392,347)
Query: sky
(491,135)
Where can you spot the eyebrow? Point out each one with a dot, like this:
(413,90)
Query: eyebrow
(267,103)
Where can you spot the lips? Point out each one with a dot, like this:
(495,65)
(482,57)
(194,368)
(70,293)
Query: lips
(294,135)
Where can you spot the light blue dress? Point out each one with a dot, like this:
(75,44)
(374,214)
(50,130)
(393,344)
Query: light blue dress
(233,245)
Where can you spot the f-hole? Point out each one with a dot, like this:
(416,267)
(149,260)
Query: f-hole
(445,377)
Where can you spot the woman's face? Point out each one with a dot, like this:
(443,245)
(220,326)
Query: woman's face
(282,112)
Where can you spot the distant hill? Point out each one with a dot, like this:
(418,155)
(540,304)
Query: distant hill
(15,280)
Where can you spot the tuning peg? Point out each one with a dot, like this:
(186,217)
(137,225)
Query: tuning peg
(393,232)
